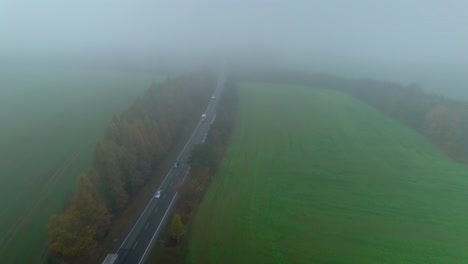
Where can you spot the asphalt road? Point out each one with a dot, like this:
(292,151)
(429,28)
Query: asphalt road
(139,241)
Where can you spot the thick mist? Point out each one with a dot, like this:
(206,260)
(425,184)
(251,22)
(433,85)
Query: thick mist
(408,41)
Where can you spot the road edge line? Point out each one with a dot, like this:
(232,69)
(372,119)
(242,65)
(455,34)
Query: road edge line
(143,258)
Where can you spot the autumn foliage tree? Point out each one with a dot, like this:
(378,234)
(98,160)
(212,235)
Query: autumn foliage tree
(177,228)
(75,231)
(109,177)
(69,237)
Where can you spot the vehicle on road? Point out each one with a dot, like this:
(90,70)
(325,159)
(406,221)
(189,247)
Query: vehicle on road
(213,97)
(157,194)
(176,164)
(203,117)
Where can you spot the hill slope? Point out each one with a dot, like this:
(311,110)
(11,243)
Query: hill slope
(314,176)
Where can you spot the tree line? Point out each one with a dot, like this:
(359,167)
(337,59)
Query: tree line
(443,121)
(134,144)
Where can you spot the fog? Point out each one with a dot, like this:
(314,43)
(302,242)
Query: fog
(419,41)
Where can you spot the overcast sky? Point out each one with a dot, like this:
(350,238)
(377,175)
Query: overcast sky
(379,30)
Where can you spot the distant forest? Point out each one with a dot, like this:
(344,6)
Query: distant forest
(135,143)
(443,121)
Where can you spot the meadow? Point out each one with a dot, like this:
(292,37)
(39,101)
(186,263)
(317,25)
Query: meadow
(315,176)
(50,121)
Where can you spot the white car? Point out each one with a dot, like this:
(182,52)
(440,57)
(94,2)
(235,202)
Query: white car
(158,194)
(213,97)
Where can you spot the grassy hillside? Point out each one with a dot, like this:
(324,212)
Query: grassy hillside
(50,121)
(314,176)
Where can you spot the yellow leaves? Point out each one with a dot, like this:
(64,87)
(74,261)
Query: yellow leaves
(74,232)
(68,237)
(177,228)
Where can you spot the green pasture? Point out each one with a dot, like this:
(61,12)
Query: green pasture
(315,176)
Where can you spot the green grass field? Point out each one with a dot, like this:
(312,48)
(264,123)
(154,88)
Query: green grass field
(50,121)
(314,176)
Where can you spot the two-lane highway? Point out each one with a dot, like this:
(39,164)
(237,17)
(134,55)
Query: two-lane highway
(139,241)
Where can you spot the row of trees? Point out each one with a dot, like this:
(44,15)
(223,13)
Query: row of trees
(441,120)
(134,144)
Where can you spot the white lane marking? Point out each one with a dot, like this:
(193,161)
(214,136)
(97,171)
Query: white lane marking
(135,245)
(154,235)
(218,87)
(213,119)
(182,152)
(146,226)
(185,176)
(156,210)
(129,233)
